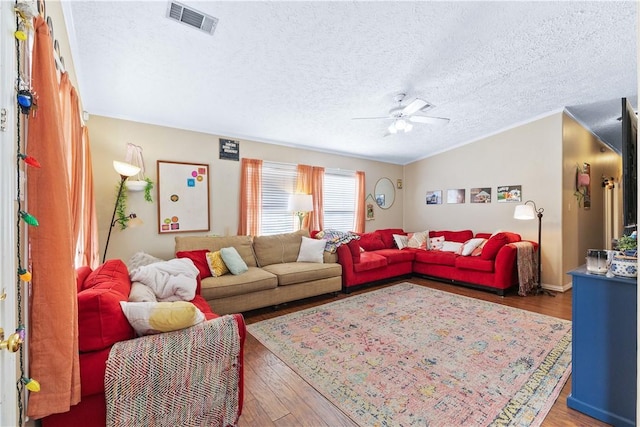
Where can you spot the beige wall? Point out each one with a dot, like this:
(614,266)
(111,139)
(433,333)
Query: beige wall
(528,155)
(583,228)
(108,142)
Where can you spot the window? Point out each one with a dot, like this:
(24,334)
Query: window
(278,181)
(339,199)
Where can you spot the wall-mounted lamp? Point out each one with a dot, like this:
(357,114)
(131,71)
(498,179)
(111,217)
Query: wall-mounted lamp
(125,170)
(528,211)
(300,205)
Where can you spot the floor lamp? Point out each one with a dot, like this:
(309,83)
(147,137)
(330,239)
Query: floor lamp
(528,211)
(125,170)
(300,204)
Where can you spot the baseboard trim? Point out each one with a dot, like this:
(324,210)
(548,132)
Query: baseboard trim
(558,288)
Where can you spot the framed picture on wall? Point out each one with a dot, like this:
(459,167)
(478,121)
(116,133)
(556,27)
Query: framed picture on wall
(480,195)
(183,197)
(434,197)
(456,195)
(509,193)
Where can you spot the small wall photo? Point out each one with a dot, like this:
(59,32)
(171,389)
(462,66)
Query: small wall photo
(434,197)
(509,193)
(480,195)
(456,195)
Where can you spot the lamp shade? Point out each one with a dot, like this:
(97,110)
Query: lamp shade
(300,203)
(125,169)
(524,212)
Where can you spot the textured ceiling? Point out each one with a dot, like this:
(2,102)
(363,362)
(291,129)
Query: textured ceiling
(296,73)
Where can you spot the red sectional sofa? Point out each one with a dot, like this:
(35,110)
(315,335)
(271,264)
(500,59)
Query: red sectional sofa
(495,268)
(102,323)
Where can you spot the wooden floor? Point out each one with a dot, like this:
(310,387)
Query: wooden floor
(277,396)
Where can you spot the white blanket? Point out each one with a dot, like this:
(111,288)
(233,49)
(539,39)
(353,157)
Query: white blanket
(173,280)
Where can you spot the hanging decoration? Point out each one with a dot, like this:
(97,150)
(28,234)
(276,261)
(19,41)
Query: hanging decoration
(26,104)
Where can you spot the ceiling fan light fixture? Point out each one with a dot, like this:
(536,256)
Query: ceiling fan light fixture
(408,127)
(392,128)
(400,124)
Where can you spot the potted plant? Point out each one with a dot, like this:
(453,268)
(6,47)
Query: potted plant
(628,244)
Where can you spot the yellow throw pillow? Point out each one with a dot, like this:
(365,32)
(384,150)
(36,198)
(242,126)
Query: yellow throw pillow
(216,264)
(156,317)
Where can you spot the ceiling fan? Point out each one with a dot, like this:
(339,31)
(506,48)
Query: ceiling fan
(403,117)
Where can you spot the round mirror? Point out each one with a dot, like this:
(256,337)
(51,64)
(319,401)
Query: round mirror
(384,193)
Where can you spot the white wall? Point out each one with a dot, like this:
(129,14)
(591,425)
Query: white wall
(108,142)
(528,155)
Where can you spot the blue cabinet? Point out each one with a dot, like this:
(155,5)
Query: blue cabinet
(603,381)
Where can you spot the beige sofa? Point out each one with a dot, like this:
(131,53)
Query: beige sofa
(274,276)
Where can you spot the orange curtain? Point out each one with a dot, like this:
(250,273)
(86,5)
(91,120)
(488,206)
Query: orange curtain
(73,147)
(360,210)
(250,197)
(53,334)
(303,186)
(309,181)
(317,189)
(88,245)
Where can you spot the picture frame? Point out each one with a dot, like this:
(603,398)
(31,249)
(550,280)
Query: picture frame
(480,195)
(434,197)
(509,193)
(183,197)
(456,196)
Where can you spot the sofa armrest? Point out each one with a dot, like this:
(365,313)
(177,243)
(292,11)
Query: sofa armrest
(346,261)
(506,265)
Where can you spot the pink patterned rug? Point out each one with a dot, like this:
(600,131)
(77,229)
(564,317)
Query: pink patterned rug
(407,355)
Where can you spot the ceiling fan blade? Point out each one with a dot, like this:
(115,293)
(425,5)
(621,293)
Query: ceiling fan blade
(371,118)
(415,105)
(429,120)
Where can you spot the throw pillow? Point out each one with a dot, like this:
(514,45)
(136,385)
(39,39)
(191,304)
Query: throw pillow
(233,260)
(311,250)
(386,234)
(401,241)
(216,264)
(371,241)
(141,258)
(156,317)
(141,293)
(199,258)
(451,246)
(493,245)
(470,245)
(418,239)
(435,243)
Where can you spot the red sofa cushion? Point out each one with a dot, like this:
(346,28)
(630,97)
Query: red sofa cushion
(474,263)
(371,241)
(101,321)
(387,236)
(394,256)
(369,261)
(495,243)
(113,270)
(199,258)
(436,257)
(453,236)
(81,275)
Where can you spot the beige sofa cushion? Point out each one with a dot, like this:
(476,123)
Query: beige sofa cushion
(278,248)
(291,273)
(256,279)
(215,243)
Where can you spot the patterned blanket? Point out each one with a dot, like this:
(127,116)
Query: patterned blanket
(335,238)
(183,378)
(527,267)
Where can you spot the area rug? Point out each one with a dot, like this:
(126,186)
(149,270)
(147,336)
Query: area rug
(407,355)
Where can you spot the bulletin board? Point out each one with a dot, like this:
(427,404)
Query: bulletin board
(183,197)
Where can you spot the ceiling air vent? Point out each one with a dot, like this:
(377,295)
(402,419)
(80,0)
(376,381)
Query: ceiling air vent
(191,17)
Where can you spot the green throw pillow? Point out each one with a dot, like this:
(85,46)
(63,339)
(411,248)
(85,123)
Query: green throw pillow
(233,260)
